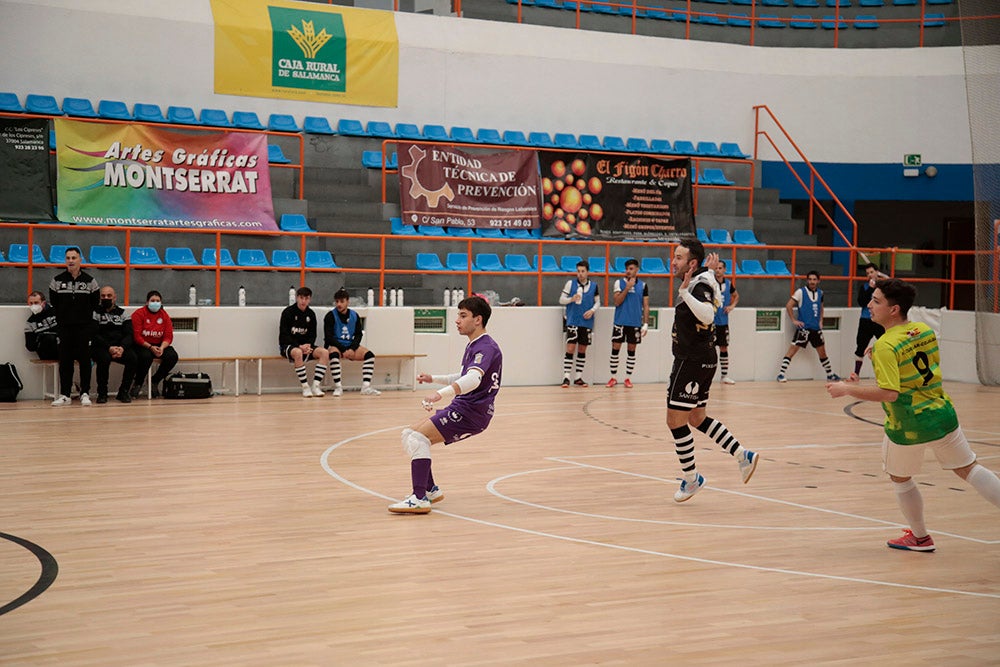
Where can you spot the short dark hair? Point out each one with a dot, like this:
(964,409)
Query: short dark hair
(722,263)
(695,249)
(342,293)
(303,291)
(36,293)
(151,293)
(870,265)
(813,273)
(584,264)
(898,293)
(631,261)
(75,249)
(476,305)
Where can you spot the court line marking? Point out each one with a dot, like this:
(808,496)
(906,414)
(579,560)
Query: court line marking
(324,462)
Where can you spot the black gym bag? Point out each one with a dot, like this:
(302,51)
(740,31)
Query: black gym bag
(10,383)
(187,385)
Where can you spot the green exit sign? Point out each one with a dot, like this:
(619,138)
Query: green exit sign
(912,160)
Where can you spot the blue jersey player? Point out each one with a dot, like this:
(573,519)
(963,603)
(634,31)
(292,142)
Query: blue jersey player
(808,300)
(471,392)
(730,297)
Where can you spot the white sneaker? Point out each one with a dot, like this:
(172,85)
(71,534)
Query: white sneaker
(411,505)
(338,390)
(307,392)
(728,380)
(435,494)
(316,391)
(748,463)
(85,399)
(370,391)
(689,488)
(61,401)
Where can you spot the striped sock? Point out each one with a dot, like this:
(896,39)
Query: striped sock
(567,365)
(684,446)
(717,431)
(368,369)
(629,362)
(319,373)
(581,361)
(301,372)
(784,365)
(724,362)
(335,369)
(614,362)
(825,362)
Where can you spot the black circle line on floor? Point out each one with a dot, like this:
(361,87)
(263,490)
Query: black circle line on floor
(50,570)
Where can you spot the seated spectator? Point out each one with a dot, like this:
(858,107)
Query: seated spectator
(152,333)
(296,341)
(40,330)
(112,342)
(342,332)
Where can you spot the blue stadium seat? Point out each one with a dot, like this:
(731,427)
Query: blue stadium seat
(371,159)
(549,264)
(316,125)
(837,3)
(752,267)
(514,138)
(540,140)
(435,133)
(275,156)
(613,143)
(144,256)
(286,259)
(714,176)
(214,118)
(731,149)
(802,22)
(866,22)
(833,23)
(567,263)
(603,8)
(933,20)
(872,3)
(806,3)
(565,140)
(516,262)
(720,236)
(2,258)
(408,131)
(589,142)
(225,257)
(905,3)
(401,229)
(57,254)
(488,261)
(429,261)
(282,122)
(381,129)
(774,3)
(653,265)
(489,232)
(148,113)
(52,140)
(597,264)
(572,5)
(661,146)
(702,235)
(18,253)
(684,147)
(247,120)
(708,148)
(769,21)
(320,259)
(462,134)
(431,230)
(526,3)
(710,19)
(174,257)
(776,267)
(42,104)
(550,4)
(618,264)
(351,128)
(464,232)
(181,115)
(251,257)
(939,2)
(659,14)
(294,222)
(637,145)
(738,20)
(79,107)
(745,237)
(488,135)
(521,234)
(10,102)
(457,261)
(105,254)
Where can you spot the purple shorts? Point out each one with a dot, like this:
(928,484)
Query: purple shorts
(454,424)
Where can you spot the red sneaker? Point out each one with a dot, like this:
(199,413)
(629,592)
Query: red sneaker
(565,383)
(628,383)
(611,383)
(910,542)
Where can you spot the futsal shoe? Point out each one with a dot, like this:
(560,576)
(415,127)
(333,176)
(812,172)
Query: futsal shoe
(123,397)
(316,390)
(102,398)
(782,378)
(611,383)
(435,494)
(580,383)
(628,383)
(338,390)
(307,391)
(748,463)
(565,383)
(689,488)
(833,377)
(61,400)
(728,380)
(910,542)
(411,505)
(85,399)
(370,391)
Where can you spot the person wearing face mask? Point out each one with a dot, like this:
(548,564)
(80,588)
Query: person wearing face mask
(112,342)
(40,330)
(152,333)
(74,294)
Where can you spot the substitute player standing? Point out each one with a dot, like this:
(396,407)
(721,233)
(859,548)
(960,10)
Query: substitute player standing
(582,300)
(918,414)
(631,323)
(472,393)
(694,368)
(730,297)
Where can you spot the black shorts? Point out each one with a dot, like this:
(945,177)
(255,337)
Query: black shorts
(286,352)
(810,336)
(578,335)
(339,349)
(866,331)
(721,335)
(690,381)
(623,333)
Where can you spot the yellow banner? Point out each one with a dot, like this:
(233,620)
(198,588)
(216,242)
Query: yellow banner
(306,51)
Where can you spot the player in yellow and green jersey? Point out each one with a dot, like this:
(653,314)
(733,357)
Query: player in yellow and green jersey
(918,414)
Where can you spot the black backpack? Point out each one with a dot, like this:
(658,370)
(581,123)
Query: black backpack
(10,383)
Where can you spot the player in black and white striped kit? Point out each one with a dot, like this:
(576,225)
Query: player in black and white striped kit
(297,340)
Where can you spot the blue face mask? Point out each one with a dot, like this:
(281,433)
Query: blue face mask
(154,306)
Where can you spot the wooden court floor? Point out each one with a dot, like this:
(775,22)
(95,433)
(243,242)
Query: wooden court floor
(253,531)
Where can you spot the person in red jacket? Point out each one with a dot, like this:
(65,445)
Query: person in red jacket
(153,332)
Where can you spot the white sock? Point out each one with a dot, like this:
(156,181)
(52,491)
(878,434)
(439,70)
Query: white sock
(986,483)
(912,505)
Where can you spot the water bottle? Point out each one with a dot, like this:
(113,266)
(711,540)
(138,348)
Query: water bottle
(447,297)
(291,295)
(454,296)
(399,297)
(242,296)
(461,296)
(384,297)
(371,297)
(392,296)
(192,296)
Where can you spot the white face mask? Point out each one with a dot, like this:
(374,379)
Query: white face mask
(154,306)
(35,308)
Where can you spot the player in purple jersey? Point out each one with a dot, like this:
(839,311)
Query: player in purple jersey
(472,393)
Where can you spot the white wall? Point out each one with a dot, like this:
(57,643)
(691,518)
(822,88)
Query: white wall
(840,105)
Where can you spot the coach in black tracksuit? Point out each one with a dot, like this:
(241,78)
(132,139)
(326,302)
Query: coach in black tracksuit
(75,295)
(113,342)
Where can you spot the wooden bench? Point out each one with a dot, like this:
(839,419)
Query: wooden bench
(401,358)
